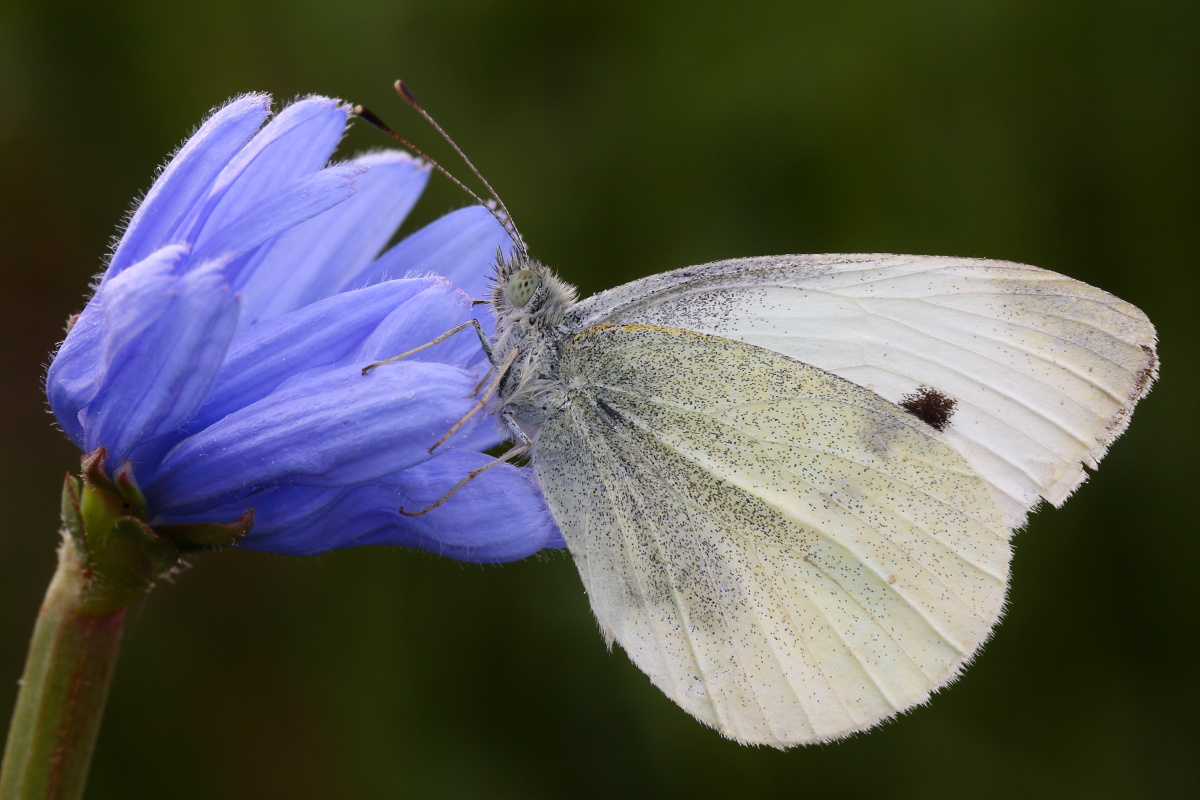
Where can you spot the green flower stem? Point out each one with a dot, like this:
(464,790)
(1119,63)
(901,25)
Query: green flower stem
(108,559)
(66,681)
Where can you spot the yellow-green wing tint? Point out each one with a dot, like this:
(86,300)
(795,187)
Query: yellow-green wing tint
(788,556)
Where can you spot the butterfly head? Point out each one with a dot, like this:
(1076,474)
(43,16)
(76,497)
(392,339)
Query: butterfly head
(525,288)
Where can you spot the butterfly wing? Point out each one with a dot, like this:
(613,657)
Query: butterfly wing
(1043,370)
(789,557)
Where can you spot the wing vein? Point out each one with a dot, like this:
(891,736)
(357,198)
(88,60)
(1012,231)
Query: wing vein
(880,574)
(687,505)
(1014,345)
(680,607)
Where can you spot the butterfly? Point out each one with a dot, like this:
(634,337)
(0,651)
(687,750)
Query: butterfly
(790,483)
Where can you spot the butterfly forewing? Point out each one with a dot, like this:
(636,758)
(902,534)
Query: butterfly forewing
(1043,370)
(788,556)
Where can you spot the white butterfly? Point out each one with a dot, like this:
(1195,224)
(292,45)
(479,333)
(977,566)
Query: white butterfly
(789,483)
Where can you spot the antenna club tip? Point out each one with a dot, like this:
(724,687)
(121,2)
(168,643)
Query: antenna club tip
(403,90)
(495,205)
(366,115)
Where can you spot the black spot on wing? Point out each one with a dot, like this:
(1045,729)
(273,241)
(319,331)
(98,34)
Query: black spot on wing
(930,406)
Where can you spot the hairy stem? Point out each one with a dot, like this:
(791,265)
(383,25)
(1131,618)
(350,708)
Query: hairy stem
(66,681)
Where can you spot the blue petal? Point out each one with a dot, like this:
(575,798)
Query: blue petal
(324,428)
(292,520)
(161,376)
(263,357)
(313,259)
(187,177)
(460,246)
(486,435)
(499,516)
(122,309)
(76,372)
(132,301)
(438,309)
(278,211)
(293,145)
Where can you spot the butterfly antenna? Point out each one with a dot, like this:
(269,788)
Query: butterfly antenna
(403,90)
(368,116)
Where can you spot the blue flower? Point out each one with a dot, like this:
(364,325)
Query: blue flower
(221,354)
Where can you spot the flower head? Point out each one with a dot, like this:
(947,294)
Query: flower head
(220,359)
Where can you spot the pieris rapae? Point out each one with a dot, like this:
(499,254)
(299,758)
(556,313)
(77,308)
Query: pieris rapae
(789,483)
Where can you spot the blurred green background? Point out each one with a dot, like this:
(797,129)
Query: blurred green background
(629,138)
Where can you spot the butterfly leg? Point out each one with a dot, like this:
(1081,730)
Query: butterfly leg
(483,341)
(488,393)
(470,476)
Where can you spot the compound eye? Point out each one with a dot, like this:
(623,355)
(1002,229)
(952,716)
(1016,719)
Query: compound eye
(521,286)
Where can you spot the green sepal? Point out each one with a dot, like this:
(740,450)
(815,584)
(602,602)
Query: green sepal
(126,558)
(208,535)
(129,491)
(92,470)
(104,500)
(100,502)
(72,519)
(123,556)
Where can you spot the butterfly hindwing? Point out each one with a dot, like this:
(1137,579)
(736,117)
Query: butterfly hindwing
(788,556)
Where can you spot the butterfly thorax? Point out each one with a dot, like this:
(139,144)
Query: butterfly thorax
(530,303)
